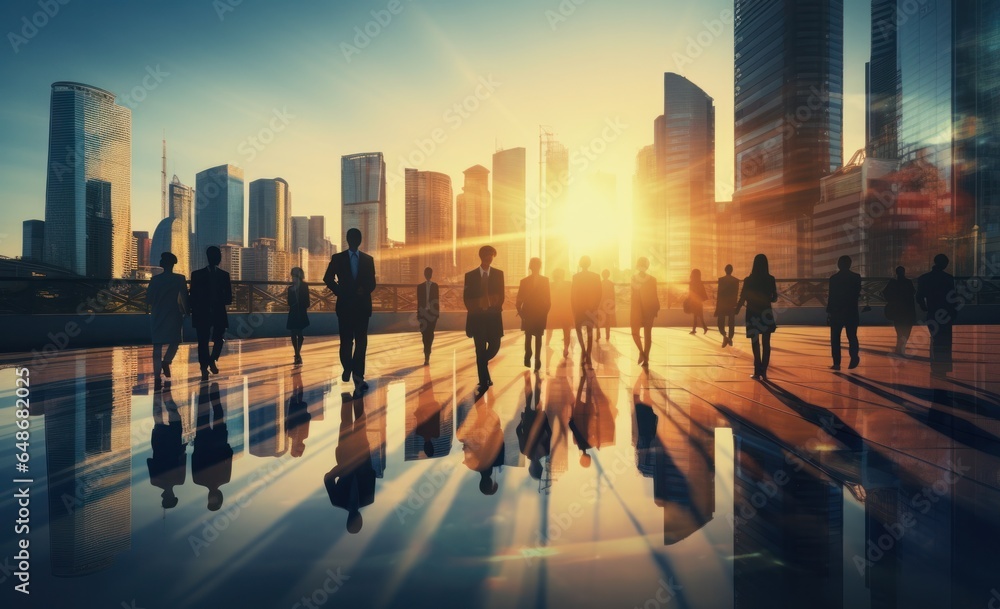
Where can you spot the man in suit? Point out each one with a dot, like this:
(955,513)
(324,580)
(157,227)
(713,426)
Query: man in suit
(351,278)
(211,293)
(350,485)
(842,311)
(725,305)
(936,296)
(586,298)
(428,311)
(483,296)
(212,458)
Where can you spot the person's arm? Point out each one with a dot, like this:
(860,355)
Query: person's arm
(830,289)
(742,299)
(184,301)
(373,283)
(227,291)
(503,289)
(546,297)
(921,295)
(774,289)
(307,301)
(519,299)
(330,278)
(467,299)
(656,296)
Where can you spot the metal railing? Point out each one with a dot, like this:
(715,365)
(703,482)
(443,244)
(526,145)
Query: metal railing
(71,295)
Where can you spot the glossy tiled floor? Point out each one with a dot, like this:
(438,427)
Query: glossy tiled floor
(877,487)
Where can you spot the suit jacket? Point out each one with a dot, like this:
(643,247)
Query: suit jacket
(586,294)
(533,302)
(211,293)
(354,296)
(936,292)
(428,311)
(729,293)
(484,318)
(845,291)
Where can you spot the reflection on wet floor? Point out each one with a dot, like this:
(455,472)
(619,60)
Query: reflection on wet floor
(686,485)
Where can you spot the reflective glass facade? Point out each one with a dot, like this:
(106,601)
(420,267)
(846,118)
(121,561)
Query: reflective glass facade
(270,212)
(90,138)
(218,212)
(363,203)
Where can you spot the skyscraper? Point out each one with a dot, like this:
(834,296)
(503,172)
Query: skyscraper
(218,212)
(882,81)
(300,232)
(649,218)
(509,216)
(685,160)
(90,141)
(180,206)
(142,244)
(472,217)
(33,240)
(789,117)
(944,65)
(362,201)
(429,239)
(555,213)
(271,212)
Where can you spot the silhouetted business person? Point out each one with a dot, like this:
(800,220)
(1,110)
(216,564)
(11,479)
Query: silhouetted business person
(645,306)
(297,416)
(212,457)
(842,311)
(351,278)
(167,297)
(725,305)
(608,305)
(533,303)
(760,291)
(483,296)
(900,307)
(168,463)
(211,293)
(351,483)
(298,316)
(428,311)
(935,295)
(586,297)
(534,433)
(561,312)
(696,301)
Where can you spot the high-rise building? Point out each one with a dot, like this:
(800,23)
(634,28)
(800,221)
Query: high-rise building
(90,155)
(649,218)
(300,232)
(472,217)
(685,161)
(363,202)
(218,211)
(317,234)
(180,207)
(429,236)
(271,212)
(33,240)
(142,245)
(509,215)
(555,213)
(789,117)
(232,260)
(265,261)
(942,62)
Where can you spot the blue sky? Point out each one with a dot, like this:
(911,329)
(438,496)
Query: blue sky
(228,68)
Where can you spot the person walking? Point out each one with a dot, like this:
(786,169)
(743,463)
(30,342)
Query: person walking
(608,305)
(483,296)
(936,296)
(533,302)
(428,311)
(298,318)
(760,291)
(696,301)
(900,309)
(725,305)
(351,277)
(842,312)
(167,297)
(211,293)
(645,305)
(561,313)
(586,298)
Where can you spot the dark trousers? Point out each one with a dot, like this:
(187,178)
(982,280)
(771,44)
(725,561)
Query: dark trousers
(427,327)
(731,319)
(527,346)
(216,334)
(487,348)
(353,343)
(760,344)
(941,349)
(837,326)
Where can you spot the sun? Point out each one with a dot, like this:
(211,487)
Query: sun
(593,227)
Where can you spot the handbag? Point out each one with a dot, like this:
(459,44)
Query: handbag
(687,304)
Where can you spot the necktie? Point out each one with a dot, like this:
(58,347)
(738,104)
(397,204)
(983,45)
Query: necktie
(486,288)
(354,265)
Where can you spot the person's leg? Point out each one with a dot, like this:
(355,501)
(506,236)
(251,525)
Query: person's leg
(732,327)
(480,344)
(360,348)
(493,347)
(755,347)
(431,327)
(204,333)
(765,352)
(637,340)
(566,339)
(853,346)
(168,358)
(157,360)
(346,332)
(722,325)
(218,339)
(538,351)
(904,337)
(527,349)
(648,336)
(835,329)
(579,339)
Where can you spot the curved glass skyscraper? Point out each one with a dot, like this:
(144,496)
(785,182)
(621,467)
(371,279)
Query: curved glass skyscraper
(88,224)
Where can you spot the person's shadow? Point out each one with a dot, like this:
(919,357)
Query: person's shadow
(212,458)
(534,432)
(297,417)
(168,465)
(351,483)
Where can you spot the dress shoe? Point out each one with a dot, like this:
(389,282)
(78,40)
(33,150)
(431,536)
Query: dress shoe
(204,375)
(427,361)
(835,367)
(854,363)
(213,367)
(527,361)
(346,376)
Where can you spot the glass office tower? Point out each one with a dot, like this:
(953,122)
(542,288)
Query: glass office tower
(362,200)
(218,210)
(89,167)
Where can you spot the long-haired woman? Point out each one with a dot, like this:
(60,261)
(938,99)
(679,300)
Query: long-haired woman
(760,291)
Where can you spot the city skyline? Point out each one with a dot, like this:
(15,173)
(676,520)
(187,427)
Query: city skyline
(499,121)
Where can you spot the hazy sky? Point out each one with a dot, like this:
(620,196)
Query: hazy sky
(231,71)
